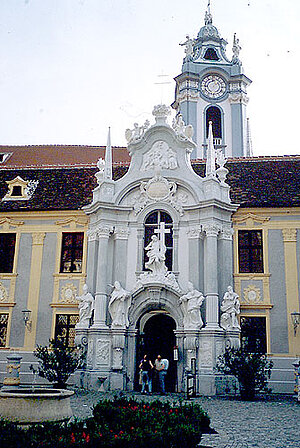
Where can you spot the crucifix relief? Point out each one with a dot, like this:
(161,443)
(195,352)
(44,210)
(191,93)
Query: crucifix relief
(156,251)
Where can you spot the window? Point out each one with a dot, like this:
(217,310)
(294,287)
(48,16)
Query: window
(153,223)
(71,252)
(65,328)
(3,329)
(211,55)
(16,190)
(7,251)
(214,114)
(253,334)
(250,251)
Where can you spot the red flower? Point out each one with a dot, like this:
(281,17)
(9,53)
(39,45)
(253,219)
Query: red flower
(73,438)
(116,436)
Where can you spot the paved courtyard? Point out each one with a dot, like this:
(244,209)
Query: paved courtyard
(274,423)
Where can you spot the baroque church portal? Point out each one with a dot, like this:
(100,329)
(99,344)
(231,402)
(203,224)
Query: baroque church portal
(181,244)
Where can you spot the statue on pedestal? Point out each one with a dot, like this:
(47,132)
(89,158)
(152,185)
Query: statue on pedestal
(85,306)
(119,304)
(191,303)
(230,308)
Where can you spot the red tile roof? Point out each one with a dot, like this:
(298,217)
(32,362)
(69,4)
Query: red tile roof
(58,155)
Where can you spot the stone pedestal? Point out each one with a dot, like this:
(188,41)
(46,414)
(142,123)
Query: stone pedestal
(12,378)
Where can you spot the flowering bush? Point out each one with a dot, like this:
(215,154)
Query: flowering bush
(120,423)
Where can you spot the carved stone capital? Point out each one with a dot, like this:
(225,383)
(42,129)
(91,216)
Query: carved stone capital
(38,238)
(226,233)
(289,235)
(211,230)
(92,235)
(121,233)
(103,231)
(194,232)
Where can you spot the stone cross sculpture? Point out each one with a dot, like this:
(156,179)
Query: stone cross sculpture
(191,303)
(119,304)
(230,308)
(85,306)
(156,251)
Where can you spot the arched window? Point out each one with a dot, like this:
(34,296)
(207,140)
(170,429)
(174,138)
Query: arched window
(213,114)
(211,55)
(159,223)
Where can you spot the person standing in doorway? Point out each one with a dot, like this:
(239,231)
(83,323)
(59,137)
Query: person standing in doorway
(146,367)
(161,367)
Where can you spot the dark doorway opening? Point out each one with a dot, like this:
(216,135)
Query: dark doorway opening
(158,338)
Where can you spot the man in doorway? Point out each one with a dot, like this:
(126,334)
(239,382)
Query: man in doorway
(161,367)
(146,367)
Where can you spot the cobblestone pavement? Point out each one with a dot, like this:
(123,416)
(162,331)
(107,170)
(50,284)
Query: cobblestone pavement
(272,423)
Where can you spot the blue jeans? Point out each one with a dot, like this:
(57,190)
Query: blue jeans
(161,380)
(146,380)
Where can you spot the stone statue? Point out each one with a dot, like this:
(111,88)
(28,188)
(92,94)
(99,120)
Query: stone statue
(85,306)
(156,251)
(230,308)
(137,132)
(119,304)
(189,46)
(236,48)
(191,303)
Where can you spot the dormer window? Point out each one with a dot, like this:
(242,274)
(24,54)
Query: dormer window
(19,189)
(211,55)
(4,156)
(16,190)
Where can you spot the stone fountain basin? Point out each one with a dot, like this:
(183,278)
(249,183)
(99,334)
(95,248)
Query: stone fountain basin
(29,406)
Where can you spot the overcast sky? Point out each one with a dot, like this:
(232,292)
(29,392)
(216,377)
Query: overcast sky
(71,68)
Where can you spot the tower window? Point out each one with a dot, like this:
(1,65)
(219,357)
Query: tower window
(211,55)
(17,190)
(213,114)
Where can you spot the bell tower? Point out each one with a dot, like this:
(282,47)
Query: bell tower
(212,87)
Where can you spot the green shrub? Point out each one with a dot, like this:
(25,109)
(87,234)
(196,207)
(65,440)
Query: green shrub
(57,362)
(251,369)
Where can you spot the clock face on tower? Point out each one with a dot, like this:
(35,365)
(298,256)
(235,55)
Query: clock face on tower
(213,86)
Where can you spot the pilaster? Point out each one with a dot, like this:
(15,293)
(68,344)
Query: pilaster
(34,288)
(291,284)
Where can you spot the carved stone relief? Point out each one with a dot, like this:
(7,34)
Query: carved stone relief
(158,189)
(206,354)
(252,294)
(68,293)
(90,354)
(159,156)
(3,293)
(102,352)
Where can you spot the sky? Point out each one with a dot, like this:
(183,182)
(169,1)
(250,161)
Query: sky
(69,69)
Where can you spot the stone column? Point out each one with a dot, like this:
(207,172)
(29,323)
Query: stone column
(195,256)
(120,254)
(211,275)
(225,259)
(101,284)
(92,259)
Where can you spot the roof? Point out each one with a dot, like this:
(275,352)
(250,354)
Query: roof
(255,182)
(58,156)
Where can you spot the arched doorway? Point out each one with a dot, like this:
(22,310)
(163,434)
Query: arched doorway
(157,338)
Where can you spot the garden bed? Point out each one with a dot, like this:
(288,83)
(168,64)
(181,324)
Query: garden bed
(122,423)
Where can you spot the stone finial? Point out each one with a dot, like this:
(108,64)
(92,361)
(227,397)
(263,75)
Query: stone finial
(161,113)
(211,156)
(208,16)
(108,159)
